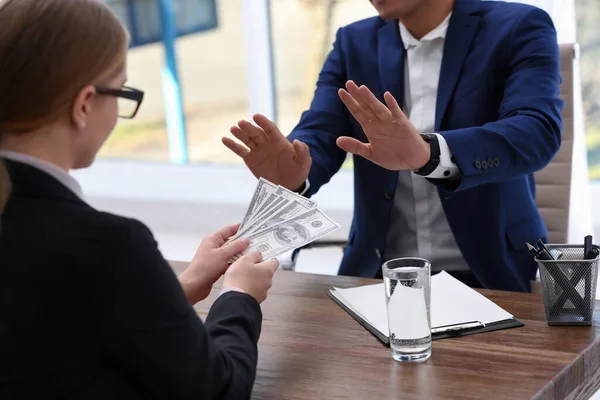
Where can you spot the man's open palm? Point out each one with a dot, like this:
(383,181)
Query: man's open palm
(394,143)
(268,154)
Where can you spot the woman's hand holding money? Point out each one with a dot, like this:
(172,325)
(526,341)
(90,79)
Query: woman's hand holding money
(210,263)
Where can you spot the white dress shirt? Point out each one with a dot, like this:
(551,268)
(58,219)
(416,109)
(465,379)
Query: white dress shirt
(418,225)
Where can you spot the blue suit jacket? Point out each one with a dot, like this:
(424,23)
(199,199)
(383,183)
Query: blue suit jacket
(498,102)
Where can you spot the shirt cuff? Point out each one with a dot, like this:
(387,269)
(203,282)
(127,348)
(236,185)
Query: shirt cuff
(447,168)
(306,187)
(226,289)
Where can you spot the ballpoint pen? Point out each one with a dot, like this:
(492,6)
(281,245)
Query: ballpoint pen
(540,254)
(587,246)
(543,247)
(589,251)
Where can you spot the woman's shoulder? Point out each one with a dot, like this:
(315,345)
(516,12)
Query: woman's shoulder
(118,244)
(116,230)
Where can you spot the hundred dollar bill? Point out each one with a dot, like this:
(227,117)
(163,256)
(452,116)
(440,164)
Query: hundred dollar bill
(291,234)
(263,215)
(266,203)
(274,217)
(288,194)
(266,208)
(272,200)
(263,189)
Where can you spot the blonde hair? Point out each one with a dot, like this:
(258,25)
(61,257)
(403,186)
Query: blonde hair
(49,51)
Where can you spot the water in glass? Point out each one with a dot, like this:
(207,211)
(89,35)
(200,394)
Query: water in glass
(407,295)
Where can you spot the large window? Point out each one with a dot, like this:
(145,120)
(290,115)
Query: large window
(211,68)
(213,71)
(588,37)
(303,33)
(145,137)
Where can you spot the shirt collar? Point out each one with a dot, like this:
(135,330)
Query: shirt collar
(57,173)
(438,32)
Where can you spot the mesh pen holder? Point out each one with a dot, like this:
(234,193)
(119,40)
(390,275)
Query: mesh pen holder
(568,285)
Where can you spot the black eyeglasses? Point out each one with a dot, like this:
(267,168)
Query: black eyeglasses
(129,99)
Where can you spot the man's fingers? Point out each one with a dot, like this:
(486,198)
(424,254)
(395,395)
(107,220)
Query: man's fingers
(377,107)
(354,146)
(354,91)
(302,152)
(394,107)
(256,134)
(355,109)
(235,147)
(242,137)
(268,126)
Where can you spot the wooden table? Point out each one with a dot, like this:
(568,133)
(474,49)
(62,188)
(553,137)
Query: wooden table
(311,349)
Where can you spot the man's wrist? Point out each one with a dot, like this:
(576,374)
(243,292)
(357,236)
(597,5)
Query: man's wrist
(445,165)
(434,155)
(426,160)
(304,188)
(301,188)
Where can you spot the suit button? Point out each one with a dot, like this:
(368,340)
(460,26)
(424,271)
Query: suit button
(389,195)
(496,162)
(484,164)
(490,163)
(477,164)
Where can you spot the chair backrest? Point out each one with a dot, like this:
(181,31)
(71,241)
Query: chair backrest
(553,183)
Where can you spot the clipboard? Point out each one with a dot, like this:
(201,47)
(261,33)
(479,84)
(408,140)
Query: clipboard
(442,331)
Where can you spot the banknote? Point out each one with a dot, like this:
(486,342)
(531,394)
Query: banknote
(290,234)
(263,189)
(275,204)
(259,208)
(267,207)
(276,216)
(288,194)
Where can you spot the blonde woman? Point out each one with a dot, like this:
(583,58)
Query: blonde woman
(88,306)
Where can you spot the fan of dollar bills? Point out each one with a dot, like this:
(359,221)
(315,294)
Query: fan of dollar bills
(278,221)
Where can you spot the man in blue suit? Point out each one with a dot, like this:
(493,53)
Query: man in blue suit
(449,107)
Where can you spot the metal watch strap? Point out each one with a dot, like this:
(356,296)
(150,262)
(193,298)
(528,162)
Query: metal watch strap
(434,159)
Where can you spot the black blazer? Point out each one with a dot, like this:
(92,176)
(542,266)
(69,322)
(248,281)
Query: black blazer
(89,309)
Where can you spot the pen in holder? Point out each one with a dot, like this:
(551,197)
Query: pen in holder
(569,284)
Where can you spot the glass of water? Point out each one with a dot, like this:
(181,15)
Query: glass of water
(408,297)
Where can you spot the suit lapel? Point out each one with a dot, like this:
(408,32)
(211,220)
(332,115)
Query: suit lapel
(460,34)
(390,59)
(390,53)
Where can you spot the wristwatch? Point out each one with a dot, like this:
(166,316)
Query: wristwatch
(434,159)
